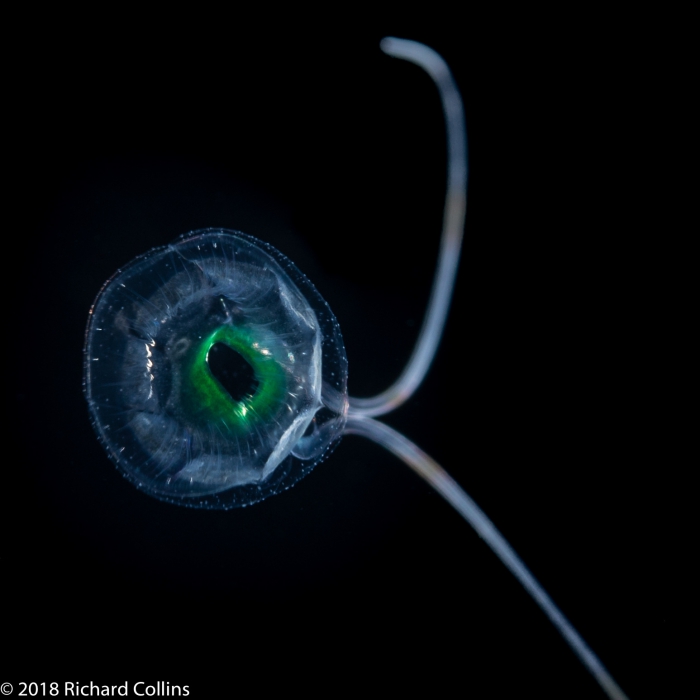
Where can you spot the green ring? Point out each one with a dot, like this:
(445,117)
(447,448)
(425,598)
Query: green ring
(207,400)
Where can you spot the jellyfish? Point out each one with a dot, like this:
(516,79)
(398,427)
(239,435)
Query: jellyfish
(216,375)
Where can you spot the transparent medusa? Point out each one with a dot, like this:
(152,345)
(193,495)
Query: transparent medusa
(216,374)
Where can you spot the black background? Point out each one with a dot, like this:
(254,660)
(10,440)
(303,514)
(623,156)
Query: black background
(537,402)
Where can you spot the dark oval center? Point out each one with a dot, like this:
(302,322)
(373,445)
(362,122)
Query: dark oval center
(233,371)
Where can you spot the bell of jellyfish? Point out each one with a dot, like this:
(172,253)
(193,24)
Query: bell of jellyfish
(215,373)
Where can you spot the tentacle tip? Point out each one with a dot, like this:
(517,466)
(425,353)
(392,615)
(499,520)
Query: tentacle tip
(388,44)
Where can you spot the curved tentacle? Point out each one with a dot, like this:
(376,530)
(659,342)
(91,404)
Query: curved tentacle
(452,231)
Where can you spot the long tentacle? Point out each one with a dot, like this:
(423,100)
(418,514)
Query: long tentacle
(427,468)
(452,231)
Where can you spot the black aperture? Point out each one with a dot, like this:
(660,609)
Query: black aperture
(232,370)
